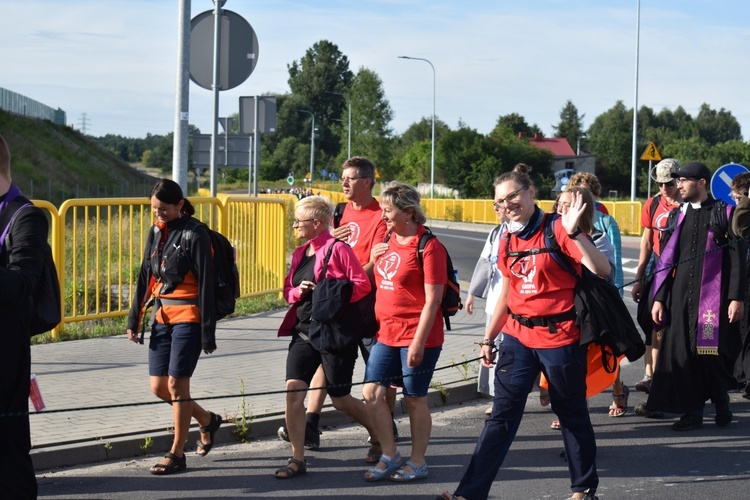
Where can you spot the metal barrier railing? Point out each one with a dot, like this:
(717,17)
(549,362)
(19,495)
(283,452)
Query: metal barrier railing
(98,243)
(626,213)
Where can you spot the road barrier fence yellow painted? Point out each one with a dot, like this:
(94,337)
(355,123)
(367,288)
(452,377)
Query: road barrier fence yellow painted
(98,243)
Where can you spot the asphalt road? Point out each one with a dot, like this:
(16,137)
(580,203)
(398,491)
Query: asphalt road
(637,459)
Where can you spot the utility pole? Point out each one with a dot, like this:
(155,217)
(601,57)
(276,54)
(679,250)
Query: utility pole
(83,123)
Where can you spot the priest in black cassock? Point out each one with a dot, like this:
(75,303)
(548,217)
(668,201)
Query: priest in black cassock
(697,307)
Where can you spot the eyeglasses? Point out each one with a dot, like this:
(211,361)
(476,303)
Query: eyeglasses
(298,222)
(345,180)
(682,180)
(665,184)
(508,199)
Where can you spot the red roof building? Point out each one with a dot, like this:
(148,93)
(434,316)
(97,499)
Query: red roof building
(558,145)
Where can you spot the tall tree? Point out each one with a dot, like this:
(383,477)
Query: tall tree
(322,69)
(717,126)
(371,118)
(571,125)
(516,124)
(422,131)
(610,138)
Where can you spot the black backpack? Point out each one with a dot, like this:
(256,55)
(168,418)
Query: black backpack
(338,213)
(47,301)
(601,314)
(451,302)
(227,285)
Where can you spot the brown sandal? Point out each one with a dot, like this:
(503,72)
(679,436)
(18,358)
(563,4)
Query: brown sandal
(289,472)
(374,453)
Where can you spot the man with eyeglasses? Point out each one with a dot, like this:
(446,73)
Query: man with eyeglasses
(699,291)
(654,216)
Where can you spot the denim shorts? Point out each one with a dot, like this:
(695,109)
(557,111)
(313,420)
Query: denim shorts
(386,364)
(174,349)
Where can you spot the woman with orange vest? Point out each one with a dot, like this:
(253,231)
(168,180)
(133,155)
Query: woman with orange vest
(177,271)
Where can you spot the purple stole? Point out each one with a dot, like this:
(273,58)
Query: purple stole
(709,302)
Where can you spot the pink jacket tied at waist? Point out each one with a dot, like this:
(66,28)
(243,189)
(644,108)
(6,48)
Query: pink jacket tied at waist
(343,264)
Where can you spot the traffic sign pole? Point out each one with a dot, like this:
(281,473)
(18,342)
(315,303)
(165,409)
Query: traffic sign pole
(648,193)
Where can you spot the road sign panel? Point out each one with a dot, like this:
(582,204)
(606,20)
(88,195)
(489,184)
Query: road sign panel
(266,114)
(651,153)
(722,180)
(238,50)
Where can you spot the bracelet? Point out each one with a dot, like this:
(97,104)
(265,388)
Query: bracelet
(487,342)
(575,234)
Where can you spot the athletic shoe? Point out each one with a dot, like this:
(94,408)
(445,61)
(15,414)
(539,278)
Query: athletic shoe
(644,385)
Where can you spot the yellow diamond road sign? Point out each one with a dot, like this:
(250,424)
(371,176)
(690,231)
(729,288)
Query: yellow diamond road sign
(651,153)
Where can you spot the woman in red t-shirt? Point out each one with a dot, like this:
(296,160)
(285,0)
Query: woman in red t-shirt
(410,337)
(536,314)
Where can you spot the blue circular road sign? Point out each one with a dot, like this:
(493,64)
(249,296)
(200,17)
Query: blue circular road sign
(722,180)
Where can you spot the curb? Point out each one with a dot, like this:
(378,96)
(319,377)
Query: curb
(54,457)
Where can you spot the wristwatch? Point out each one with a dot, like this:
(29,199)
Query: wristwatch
(575,233)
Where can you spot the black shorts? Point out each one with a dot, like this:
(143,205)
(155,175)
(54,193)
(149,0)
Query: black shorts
(303,360)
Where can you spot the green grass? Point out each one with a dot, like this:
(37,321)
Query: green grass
(116,326)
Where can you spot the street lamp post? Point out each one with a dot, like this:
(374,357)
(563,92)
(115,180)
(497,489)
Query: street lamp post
(635,104)
(432,161)
(312,143)
(349,128)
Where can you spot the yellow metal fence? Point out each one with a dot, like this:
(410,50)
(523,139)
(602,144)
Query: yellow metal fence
(98,243)
(626,213)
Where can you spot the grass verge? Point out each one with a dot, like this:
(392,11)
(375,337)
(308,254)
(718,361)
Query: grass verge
(116,326)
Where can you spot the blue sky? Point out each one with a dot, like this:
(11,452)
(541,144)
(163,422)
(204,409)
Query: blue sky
(115,60)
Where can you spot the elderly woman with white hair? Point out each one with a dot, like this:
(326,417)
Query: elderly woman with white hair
(312,219)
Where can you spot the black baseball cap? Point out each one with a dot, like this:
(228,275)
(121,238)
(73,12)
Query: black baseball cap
(693,170)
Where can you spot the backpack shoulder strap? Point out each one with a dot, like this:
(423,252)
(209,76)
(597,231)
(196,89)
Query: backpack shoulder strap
(8,216)
(423,243)
(550,240)
(652,209)
(338,213)
(493,235)
(327,259)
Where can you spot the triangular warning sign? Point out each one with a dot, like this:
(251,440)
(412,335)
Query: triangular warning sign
(651,153)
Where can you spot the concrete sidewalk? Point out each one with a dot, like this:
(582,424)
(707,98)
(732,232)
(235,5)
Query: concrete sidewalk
(114,371)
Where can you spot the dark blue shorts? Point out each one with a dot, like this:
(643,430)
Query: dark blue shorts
(387,364)
(174,349)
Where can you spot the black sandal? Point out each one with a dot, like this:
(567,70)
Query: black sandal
(176,464)
(211,428)
(289,472)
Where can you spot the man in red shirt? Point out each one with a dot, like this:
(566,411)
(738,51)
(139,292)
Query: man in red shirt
(654,217)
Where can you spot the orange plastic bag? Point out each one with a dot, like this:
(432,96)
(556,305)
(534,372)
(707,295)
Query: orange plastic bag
(597,378)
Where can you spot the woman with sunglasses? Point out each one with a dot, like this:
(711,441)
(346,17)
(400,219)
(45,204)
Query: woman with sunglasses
(536,315)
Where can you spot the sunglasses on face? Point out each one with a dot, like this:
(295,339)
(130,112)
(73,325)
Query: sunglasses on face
(665,184)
